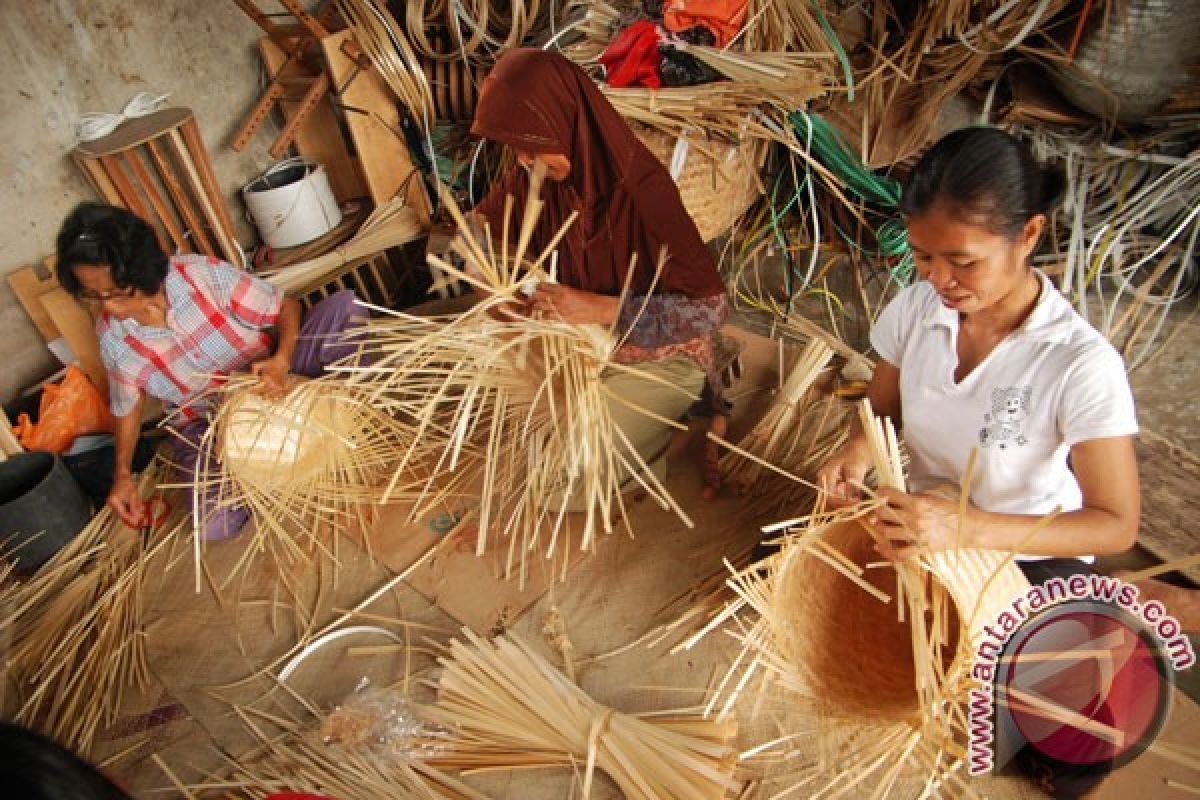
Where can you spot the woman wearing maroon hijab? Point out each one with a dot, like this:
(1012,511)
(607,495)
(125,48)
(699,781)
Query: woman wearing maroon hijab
(546,109)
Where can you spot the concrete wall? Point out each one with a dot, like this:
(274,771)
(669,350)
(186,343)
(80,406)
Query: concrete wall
(60,58)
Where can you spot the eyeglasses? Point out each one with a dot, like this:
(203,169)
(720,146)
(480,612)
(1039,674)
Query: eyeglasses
(88,296)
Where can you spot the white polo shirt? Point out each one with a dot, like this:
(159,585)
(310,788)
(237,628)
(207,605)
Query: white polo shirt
(1050,384)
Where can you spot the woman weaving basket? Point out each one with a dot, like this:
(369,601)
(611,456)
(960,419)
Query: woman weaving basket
(984,354)
(546,109)
(169,327)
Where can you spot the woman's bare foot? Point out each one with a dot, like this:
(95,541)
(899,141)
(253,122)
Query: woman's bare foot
(710,458)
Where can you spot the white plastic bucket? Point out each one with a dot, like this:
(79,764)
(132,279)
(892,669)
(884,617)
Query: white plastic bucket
(291,203)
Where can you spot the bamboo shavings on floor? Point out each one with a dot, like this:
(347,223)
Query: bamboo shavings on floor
(511,411)
(390,225)
(293,757)
(826,618)
(508,707)
(75,629)
(321,455)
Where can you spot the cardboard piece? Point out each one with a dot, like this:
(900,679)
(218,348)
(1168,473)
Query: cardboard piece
(29,284)
(79,329)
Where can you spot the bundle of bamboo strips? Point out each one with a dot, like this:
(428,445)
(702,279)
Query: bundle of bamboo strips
(385,42)
(75,628)
(508,707)
(390,225)
(775,25)
(513,411)
(476,28)
(777,435)
(725,110)
(322,455)
(868,639)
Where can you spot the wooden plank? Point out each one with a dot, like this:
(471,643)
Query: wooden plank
(165,216)
(29,284)
(79,329)
(135,131)
(200,242)
(9,446)
(98,178)
(374,123)
(318,136)
(208,179)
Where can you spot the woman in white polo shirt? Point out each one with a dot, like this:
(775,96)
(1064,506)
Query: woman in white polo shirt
(984,353)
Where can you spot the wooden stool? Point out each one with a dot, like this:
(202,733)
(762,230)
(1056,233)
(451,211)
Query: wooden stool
(156,166)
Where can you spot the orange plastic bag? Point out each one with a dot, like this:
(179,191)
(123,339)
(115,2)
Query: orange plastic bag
(723,17)
(68,410)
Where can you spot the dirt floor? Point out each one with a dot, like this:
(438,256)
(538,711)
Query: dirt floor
(207,649)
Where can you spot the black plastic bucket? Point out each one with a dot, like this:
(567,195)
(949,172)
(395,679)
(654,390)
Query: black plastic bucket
(41,508)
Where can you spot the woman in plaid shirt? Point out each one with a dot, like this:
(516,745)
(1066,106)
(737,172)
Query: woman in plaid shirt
(170,327)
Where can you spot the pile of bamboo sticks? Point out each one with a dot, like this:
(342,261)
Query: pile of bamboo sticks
(291,756)
(390,225)
(508,707)
(75,629)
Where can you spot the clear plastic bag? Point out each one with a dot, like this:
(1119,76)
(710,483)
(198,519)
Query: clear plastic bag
(383,721)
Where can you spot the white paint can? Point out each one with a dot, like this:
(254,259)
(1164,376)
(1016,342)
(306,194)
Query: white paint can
(291,203)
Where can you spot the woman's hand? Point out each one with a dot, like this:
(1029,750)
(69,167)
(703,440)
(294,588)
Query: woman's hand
(124,499)
(841,476)
(914,524)
(272,373)
(556,301)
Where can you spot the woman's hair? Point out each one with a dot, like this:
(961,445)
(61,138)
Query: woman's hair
(983,176)
(113,237)
(34,767)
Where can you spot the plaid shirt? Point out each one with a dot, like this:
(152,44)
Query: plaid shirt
(217,316)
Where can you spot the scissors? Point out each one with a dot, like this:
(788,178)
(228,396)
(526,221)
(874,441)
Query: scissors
(154,514)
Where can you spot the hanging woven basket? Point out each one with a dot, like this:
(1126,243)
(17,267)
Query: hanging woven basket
(718,182)
(1128,65)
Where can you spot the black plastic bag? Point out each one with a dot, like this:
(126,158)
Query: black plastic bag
(683,69)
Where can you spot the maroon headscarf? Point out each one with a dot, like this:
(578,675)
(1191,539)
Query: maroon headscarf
(540,102)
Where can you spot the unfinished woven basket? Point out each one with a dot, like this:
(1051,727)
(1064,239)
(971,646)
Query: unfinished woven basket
(852,649)
(718,182)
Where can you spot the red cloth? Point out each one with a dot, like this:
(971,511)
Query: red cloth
(539,102)
(632,58)
(723,17)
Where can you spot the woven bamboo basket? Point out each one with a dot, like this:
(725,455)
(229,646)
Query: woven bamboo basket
(718,182)
(274,444)
(851,648)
